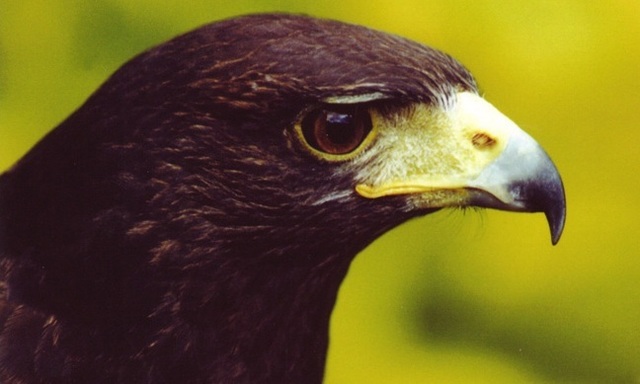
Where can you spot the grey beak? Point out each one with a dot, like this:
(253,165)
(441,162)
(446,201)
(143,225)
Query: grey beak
(523,178)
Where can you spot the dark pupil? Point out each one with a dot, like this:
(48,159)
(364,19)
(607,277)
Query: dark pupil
(339,128)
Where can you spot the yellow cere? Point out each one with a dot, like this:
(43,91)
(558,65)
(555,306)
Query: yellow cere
(432,149)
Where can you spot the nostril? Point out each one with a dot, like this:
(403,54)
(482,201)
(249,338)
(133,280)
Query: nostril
(481,140)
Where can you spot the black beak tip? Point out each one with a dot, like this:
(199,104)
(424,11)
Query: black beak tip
(555,209)
(556,219)
(546,194)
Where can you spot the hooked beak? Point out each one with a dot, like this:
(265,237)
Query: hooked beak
(523,178)
(472,155)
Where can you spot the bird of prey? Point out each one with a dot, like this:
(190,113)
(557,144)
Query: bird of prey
(193,220)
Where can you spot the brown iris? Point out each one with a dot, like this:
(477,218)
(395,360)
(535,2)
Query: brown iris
(336,130)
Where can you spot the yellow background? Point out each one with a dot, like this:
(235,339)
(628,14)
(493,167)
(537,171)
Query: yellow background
(455,297)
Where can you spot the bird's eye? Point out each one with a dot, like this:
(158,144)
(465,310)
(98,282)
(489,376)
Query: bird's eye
(336,130)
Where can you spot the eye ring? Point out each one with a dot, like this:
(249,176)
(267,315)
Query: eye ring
(336,132)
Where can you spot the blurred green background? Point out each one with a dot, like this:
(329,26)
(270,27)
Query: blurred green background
(455,297)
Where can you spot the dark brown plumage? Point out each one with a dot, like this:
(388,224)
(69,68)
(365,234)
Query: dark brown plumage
(175,229)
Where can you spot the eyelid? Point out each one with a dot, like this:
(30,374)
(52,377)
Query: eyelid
(355,99)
